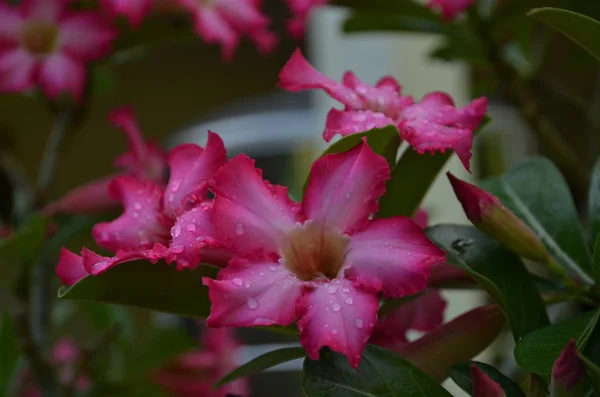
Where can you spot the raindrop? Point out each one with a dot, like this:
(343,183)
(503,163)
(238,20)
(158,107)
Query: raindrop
(135,214)
(191,227)
(332,289)
(334,332)
(461,244)
(137,206)
(176,185)
(359,322)
(176,231)
(237,281)
(252,304)
(345,290)
(349,301)
(272,268)
(239,229)
(336,307)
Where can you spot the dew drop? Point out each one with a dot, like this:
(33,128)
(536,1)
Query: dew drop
(137,206)
(176,231)
(176,185)
(345,290)
(332,289)
(191,227)
(237,281)
(272,268)
(336,307)
(178,249)
(461,244)
(349,301)
(135,214)
(252,304)
(334,331)
(239,229)
(358,322)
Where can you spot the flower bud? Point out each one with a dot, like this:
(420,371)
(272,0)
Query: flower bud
(490,216)
(483,385)
(568,373)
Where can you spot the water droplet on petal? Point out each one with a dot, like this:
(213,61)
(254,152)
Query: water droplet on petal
(349,301)
(176,231)
(358,322)
(345,290)
(191,227)
(176,185)
(239,229)
(332,289)
(252,304)
(334,331)
(137,206)
(237,281)
(336,307)
(135,214)
(272,268)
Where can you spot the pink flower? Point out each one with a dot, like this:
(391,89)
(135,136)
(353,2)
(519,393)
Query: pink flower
(171,223)
(194,374)
(323,261)
(226,21)
(568,371)
(483,385)
(133,10)
(144,160)
(433,124)
(450,9)
(300,10)
(41,42)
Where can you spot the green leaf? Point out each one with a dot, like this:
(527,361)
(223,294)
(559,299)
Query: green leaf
(262,363)
(141,284)
(537,193)
(589,341)
(368,21)
(538,351)
(596,260)
(594,373)
(411,179)
(594,217)
(500,272)
(24,244)
(461,375)
(9,358)
(581,29)
(381,374)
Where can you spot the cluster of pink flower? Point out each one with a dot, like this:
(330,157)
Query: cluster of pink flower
(324,261)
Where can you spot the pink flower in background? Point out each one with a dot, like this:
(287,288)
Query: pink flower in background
(171,222)
(568,371)
(194,374)
(483,385)
(450,9)
(144,160)
(300,10)
(133,10)
(43,43)
(432,124)
(227,21)
(323,261)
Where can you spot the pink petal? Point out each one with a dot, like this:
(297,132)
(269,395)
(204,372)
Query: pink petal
(133,10)
(65,352)
(61,74)
(389,83)
(483,385)
(17,69)
(347,122)
(191,168)
(250,215)
(392,255)
(450,9)
(568,370)
(142,223)
(265,40)
(70,267)
(299,75)
(43,10)
(339,316)
(249,294)
(243,15)
(192,231)
(381,98)
(422,313)
(213,28)
(86,35)
(421,218)
(343,188)
(124,119)
(85,199)
(97,264)
(11,22)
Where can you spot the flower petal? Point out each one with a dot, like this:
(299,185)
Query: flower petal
(250,215)
(193,230)
(97,264)
(339,316)
(70,267)
(142,223)
(43,10)
(89,198)
(133,10)
(299,75)
(11,22)
(61,74)
(392,255)
(422,313)
(249,294)
(381,98)
(343,188)
(86,35)
(450,9)
(347,122)
(191,167)
(17,70)
(243,15)
(213,28)
(421,218)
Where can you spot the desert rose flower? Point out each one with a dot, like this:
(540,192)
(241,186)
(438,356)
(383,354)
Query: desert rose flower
(300,10)
(171,223)
(133,10)
(483,385)
(450,9)
(144,160)
(42,43)
(195,373)
(568,373)
(323,261)
(430,125)
(227,21)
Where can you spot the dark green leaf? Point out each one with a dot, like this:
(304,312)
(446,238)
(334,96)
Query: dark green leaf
(262,363)
(381,374)
(581,29)
(596,260)
(537,193)
(365,21)
(589,341)
(9,356)
(594,373)
(538,351)
(500,272)
(24,244)
(411,179)
(461,375)
(594,217)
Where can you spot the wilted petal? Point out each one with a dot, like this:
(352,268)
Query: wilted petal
(337,315)
(299,75)
(142,223)
(191,167)
(249,294)
(61,74)
(70,267)
(343,188)
(346,122)
(483,385)
(250,215)
(86,35)
(392,255)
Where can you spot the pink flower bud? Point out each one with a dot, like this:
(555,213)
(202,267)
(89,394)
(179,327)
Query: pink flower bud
(490,216)
(568,373)
(483,385)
